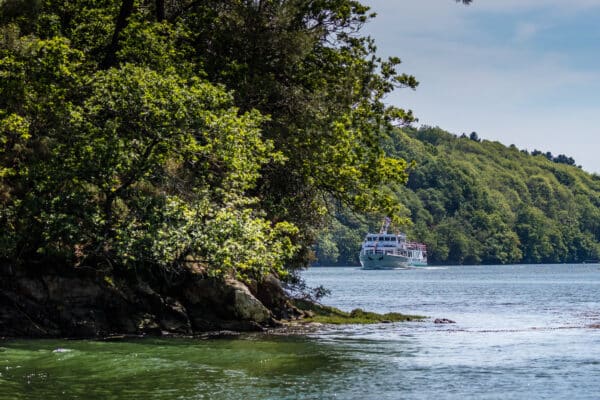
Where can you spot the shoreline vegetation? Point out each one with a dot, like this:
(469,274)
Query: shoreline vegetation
(165,165)
(323,314)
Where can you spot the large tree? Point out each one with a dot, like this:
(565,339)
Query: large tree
(148,132)
(305,65)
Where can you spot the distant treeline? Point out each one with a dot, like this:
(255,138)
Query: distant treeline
(561,158)
(475,201)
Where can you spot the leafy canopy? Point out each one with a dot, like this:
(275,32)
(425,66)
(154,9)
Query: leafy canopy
(138,134)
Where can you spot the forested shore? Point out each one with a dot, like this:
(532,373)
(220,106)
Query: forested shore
(476,201)
(167,167)
(148,144)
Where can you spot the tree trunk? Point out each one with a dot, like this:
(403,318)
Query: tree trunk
(160,10)
(110,59)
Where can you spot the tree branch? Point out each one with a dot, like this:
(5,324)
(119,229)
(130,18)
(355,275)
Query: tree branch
(110,59)
(134,175)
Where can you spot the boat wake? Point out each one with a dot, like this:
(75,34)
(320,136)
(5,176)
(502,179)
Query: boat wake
(519,330)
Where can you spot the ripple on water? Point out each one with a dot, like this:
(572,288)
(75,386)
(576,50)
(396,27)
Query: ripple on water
(520,332)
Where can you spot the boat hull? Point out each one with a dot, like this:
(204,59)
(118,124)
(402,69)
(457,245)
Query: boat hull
(417,263)
(383,261)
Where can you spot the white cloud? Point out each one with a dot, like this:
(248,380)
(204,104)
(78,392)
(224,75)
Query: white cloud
(525,31)
(474,80)
(519,5)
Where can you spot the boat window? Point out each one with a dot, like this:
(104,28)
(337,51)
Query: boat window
(394,239)
(381,238)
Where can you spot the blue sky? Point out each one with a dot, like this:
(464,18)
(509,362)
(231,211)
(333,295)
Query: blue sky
(523,72)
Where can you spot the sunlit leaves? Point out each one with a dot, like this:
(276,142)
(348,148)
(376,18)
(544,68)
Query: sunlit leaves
(129,167)
(217,130)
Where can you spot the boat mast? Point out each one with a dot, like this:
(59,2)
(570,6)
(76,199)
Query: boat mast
(385,225)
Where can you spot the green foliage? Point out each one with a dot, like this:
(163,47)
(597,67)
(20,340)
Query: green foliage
(304,65)
(477,202)
(147,134)
(129,167)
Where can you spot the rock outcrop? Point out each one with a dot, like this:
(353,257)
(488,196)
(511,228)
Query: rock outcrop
(443,321)
(271,294)
(81,302)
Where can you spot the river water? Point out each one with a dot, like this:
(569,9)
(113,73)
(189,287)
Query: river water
(520,332)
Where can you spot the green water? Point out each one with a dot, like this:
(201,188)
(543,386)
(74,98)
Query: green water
(521,332)
(259,367)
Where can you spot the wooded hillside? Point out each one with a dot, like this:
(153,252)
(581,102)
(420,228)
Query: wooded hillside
(474,201)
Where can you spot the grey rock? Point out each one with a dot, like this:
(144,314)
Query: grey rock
(443,321)
(246,306)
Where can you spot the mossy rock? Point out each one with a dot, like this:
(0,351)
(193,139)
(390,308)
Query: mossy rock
(330,315)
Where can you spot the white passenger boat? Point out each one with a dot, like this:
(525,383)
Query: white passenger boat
(385,250)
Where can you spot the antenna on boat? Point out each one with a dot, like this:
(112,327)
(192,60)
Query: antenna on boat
(386,225)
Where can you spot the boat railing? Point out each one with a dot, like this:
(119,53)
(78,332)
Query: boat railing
(394,251)
(374,251)
(416,246)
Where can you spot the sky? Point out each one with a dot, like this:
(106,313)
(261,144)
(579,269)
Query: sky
(522,72)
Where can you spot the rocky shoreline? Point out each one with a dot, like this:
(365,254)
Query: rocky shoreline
(85,303)
(46,301)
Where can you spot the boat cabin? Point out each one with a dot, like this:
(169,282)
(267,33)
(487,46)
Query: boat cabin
(384,239)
